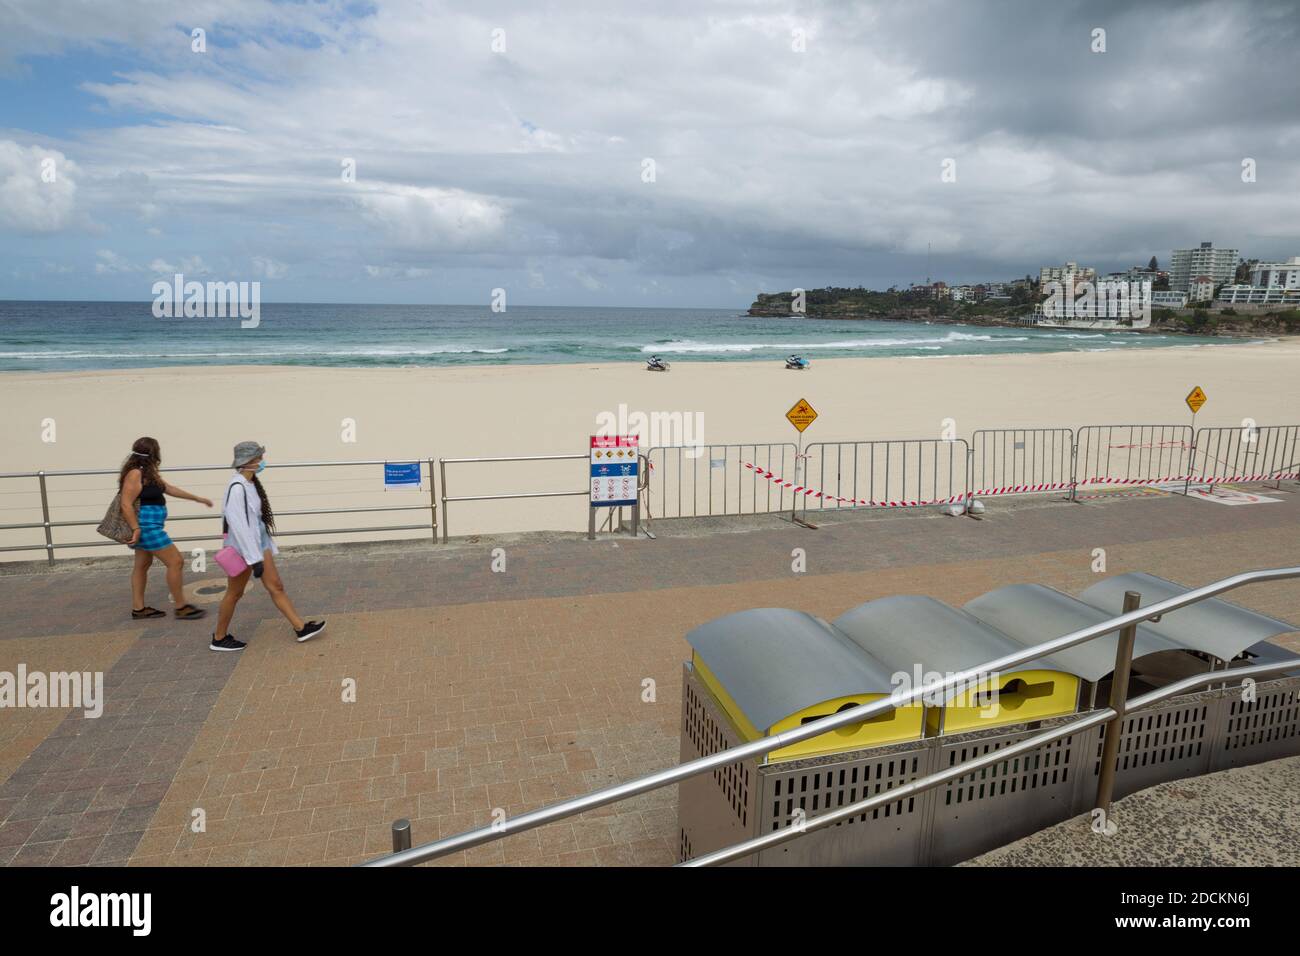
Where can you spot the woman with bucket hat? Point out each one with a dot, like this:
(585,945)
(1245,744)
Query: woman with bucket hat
(249,550)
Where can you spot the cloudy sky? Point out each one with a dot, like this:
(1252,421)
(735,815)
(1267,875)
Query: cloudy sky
(676,153)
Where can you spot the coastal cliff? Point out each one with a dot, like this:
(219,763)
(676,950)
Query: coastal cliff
(849,304)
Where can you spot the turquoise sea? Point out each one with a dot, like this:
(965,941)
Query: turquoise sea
(46,336)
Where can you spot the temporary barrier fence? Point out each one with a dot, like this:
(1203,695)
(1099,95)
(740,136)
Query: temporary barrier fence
(693,481)
(1131,455)
(1021,461)
(1250,453)
(894,473)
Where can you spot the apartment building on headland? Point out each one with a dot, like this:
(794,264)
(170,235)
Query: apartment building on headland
(1200,289)
(981,292)
(1276,275)
(1271,283)
(1219,265)
(1139,274)
(1168,299)
(1070,272)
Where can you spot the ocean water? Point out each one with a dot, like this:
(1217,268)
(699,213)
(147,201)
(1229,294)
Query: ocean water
(48,336)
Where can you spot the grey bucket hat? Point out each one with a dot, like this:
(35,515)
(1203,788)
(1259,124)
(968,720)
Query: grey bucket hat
(245,452)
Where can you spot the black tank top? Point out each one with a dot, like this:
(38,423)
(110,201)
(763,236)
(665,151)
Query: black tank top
(151,494)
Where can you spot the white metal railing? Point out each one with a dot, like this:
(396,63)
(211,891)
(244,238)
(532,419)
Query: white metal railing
(446,499)
(719,479)
(48,525)
(972,677)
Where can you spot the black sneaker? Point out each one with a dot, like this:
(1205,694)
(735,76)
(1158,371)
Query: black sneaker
(310,630)
(227,643)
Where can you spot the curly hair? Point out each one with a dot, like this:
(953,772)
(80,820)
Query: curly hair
(146,454)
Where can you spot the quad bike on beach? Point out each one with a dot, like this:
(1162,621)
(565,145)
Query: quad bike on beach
(797,363)
(656,364)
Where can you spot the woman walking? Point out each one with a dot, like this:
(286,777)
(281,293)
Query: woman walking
(140,480)
(249,524)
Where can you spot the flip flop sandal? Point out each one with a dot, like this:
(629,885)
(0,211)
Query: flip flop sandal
(146,612)
(189,612)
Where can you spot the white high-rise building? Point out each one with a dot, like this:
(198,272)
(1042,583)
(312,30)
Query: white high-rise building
(1069,271)
(1276,275)
(1220,265)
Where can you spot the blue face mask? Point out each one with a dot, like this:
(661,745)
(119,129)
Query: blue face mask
(261,467)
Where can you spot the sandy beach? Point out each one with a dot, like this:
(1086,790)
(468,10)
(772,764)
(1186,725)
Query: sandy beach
(299,413)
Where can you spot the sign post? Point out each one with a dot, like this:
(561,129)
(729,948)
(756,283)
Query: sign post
(613,477)
(1195,399)
(800,416)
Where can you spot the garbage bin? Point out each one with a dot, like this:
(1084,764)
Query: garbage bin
(923,641)
(773,670)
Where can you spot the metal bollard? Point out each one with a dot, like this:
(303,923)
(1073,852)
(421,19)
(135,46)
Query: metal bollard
(401,835)
(1118,698)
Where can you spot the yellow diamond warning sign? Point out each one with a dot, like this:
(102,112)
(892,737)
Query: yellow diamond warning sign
(802,415)
(1195,399)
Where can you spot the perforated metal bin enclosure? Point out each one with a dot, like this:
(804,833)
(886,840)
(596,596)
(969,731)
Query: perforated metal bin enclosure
(985,809)
(748,798)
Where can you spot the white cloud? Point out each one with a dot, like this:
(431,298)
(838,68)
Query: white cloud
(110,263)
(587,280)
(797,167)
(269,268)
(397,272)
(189,266)
(38,189)
(430,218)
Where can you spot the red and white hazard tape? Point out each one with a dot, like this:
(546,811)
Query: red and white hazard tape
(1132,481)
(1022,489)
(1199,479)
(1164,444)
(1215,479)
(808,492)
(813,493)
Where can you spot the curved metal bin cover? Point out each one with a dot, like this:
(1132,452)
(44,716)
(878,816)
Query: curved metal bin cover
(1213,626)
(908,630)
(1033,613)
(775,662)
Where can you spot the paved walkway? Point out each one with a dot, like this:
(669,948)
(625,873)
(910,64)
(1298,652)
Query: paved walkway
(1246,816)
(476,690)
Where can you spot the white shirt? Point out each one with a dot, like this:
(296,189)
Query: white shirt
(242,509)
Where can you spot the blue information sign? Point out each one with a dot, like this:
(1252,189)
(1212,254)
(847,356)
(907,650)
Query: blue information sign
(400,473)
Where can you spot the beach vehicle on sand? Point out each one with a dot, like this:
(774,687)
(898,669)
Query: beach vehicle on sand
(796,362)
(656,364)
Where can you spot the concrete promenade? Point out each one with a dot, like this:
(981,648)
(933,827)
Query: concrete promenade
(477,690)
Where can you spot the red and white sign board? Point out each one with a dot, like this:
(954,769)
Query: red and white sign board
(613,470)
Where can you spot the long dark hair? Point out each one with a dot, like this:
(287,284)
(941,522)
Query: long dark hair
(268,516)
(146,454)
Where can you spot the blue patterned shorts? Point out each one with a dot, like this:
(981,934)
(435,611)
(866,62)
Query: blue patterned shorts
(152,535)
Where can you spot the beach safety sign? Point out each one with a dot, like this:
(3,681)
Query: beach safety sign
(398,474)
(1195,399)
(802,415)
(613,470)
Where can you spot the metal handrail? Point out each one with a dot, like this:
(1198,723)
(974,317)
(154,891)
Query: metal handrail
(278,465)
(854,715)
(922,784)
(446,499)
(47,525)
